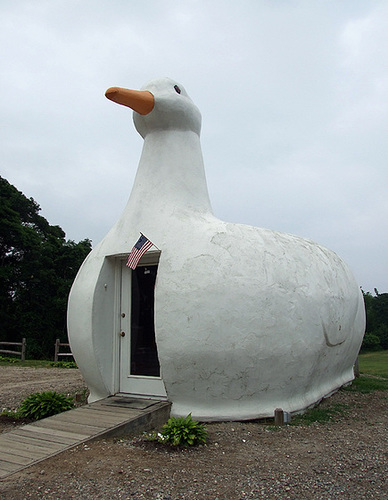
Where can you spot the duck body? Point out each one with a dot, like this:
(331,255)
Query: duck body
(246,319)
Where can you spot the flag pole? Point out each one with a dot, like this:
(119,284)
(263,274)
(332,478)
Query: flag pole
(150,240)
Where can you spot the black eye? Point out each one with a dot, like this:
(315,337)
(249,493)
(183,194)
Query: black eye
(177,89)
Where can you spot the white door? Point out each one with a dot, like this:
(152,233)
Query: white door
(139,363)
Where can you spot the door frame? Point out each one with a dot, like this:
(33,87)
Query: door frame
(149,258)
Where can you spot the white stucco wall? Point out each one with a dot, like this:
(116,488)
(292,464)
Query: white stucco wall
(246,319)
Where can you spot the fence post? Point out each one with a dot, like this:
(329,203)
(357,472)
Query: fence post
(23,353)
(56,350)
(279,416)
(356,369)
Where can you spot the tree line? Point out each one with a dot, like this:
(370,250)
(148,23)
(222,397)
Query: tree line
(37,268)
(376,334)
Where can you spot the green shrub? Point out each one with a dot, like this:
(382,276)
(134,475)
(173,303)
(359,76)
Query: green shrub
(8,359)
(181,432)
(44,404)
(371,342)
(382,333)
(12,415)
(64,364)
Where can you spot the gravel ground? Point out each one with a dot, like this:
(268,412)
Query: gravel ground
(345,458)
(16,383)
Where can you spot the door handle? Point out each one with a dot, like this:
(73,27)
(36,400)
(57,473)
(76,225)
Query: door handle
(122,334)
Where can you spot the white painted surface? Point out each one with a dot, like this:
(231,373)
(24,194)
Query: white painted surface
(246,319)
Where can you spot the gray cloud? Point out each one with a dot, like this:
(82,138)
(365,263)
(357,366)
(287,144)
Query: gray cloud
(293,97)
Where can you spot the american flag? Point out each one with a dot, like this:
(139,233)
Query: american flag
(139,249)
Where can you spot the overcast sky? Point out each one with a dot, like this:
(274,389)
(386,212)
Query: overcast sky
(293,96)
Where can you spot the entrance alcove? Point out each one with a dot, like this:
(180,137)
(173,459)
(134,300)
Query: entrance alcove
(138,368)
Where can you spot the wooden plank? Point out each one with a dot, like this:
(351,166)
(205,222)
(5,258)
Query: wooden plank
(88,416)
(85,430)
(117,410)
(27,440)
(127,403)
(98,419)
(33,441)
(109,410)
(106,411)
(25,449)
(4,351)
(13,458)
(6,467)
(121,410)
(81,419)
(5,473)
(45,436)
(54,432)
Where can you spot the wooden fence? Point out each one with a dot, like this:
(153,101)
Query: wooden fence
(58,346)
(21,352)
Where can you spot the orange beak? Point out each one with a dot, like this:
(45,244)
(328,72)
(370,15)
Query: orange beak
(140,101)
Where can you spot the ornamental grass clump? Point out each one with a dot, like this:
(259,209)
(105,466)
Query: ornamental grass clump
(44,404)
(182,432)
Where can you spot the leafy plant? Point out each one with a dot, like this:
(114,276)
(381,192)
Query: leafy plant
(371,342)
(181,432)
(12,415)
(63,364)
(7,359)
(44,404)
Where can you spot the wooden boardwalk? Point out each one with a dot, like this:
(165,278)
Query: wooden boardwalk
(45,438)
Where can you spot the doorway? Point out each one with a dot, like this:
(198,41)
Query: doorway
(144,355)
(139,363)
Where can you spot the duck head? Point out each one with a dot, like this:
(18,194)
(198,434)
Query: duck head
(161,104)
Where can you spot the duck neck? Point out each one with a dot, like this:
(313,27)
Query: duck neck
(171,176)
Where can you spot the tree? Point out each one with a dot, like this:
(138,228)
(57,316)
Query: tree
(37,268)
(376,307)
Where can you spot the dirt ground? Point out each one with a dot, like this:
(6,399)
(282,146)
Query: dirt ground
(345,458)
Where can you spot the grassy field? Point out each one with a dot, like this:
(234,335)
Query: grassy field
(374,363)
(35,363)
(371,363)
